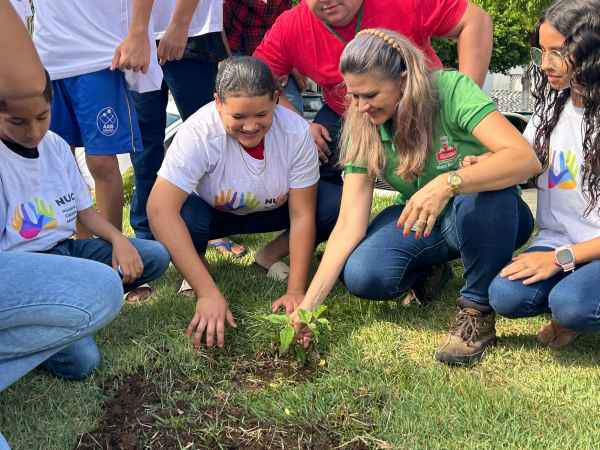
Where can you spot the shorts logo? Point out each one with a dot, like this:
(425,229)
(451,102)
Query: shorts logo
(107,121)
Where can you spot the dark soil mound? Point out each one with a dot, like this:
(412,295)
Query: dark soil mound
(128,426)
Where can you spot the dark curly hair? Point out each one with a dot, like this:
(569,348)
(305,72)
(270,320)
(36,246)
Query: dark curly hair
(579,22)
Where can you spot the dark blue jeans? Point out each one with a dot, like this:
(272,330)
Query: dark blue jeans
(573,298)
(155,256)
(483,229)
(205,222)
(331,120)
(191,82)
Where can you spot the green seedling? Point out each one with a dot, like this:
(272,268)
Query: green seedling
(286,333)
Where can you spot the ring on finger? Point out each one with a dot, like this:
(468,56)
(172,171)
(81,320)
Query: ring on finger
(419,221)
(525,266)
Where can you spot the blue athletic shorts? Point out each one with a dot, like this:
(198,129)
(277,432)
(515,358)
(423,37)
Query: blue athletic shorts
(96,111)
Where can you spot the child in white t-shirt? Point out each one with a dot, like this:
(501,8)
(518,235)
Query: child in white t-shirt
(42,195)
(250,166)
(95,52)
(559,272)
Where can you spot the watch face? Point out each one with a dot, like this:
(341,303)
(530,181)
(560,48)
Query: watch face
(454,179)
(564,256)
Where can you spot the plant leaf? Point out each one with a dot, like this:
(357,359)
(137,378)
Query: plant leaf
(319,310)
(301,353)
(279,319)
(304,316)
(294,351)
(325,323)
(313,328)
(286,335)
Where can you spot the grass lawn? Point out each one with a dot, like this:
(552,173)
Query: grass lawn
(375,383)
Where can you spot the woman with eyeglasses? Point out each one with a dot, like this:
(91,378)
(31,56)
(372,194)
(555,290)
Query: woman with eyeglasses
(559,272)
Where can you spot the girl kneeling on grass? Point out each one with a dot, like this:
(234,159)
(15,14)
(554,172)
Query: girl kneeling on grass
(559,272)
(250,166)
(412,126)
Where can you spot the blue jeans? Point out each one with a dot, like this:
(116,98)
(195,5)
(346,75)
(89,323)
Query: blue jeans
(48,315)
(573,298)
(331,120)
(205,222)
(483,229)
(292,91)
(191,82)
(155,256)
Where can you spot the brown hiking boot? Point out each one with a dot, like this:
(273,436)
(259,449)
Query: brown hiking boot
(470,334)
(425,292)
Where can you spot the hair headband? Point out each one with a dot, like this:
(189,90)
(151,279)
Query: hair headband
(383,36)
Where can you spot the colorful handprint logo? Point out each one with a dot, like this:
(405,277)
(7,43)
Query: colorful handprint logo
(43,219)
(226,202)
(567,173)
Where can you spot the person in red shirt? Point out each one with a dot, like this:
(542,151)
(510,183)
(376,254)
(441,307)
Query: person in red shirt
(246,22)
(312,36)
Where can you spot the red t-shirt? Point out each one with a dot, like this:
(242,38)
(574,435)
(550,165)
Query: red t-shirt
(298,39)
(257,152)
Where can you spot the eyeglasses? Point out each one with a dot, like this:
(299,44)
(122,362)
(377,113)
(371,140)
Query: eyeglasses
(554,57)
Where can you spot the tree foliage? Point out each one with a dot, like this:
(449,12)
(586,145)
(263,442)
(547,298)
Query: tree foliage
(513,21)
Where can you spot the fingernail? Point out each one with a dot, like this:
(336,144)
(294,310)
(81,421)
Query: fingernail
(417,237)
(404,234)
(425,235)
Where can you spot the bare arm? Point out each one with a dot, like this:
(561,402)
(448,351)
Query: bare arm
(173,43)
(495,172)
(22,74)
(302,207)
(475,37)
(164,216)
(124,253)
(134,51)
(350,229)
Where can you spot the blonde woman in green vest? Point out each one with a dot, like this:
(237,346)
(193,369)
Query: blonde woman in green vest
(413,126)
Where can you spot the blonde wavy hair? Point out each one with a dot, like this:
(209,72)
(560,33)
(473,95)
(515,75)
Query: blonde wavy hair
(369,54)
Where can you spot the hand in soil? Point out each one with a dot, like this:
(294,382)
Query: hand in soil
(211,312)
(290,300)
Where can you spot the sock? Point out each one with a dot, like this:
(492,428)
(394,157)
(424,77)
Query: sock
(464,303)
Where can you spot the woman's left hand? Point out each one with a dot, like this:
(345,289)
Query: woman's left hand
(535,266)
(425,206)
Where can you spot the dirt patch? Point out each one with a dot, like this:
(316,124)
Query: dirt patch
(127,425)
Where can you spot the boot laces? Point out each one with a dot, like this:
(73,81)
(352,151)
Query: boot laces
(465,325)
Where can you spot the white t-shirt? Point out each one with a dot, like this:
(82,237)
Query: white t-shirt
(208,17)
(39,198)
(22,7)
(205,159)
(560,203)
(76,37)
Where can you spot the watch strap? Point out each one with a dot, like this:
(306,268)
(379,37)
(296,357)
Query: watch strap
(570,266)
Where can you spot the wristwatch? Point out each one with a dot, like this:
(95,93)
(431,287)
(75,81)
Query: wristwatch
(454,180)
(565,258)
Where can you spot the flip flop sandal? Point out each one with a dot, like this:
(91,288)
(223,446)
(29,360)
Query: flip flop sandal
(185,286)
(278,271)
(228,245)
(552,342)
(137,301)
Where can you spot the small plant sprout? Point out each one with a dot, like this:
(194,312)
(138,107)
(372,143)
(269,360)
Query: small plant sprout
(286,333)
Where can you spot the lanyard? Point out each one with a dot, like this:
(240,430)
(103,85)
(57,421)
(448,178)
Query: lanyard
(357,25)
